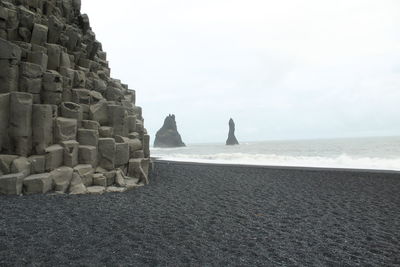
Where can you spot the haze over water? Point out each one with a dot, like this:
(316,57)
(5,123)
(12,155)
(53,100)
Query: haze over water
(361,153)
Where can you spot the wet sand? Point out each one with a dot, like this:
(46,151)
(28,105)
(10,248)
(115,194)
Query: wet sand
(213,215)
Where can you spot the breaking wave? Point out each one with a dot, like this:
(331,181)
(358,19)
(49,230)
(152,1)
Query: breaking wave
(341,161)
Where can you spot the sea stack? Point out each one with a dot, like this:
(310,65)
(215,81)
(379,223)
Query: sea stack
(231,135)
(168,135)
(66,125)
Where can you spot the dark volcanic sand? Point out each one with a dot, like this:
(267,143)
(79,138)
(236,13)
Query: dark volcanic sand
(210,215)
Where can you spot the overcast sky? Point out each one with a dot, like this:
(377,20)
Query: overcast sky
(286,69)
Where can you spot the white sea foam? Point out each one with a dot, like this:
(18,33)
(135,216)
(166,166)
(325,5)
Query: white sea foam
(360,153)
(341,161)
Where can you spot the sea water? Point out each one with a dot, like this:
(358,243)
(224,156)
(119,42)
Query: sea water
(360,153)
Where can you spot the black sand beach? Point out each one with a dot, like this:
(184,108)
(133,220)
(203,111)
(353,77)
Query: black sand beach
(211,215)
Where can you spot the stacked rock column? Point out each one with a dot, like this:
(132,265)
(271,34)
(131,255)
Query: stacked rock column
(65,124)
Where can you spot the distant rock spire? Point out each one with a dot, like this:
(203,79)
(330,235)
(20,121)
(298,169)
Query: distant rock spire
(231,135)
(168,135)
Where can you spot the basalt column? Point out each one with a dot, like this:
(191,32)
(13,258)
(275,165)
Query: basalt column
(65,124)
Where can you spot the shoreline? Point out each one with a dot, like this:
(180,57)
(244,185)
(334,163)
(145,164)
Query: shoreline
(278,167)
(196,214)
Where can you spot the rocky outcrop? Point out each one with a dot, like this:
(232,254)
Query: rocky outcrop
(65,124)
(168,135)
(231,135)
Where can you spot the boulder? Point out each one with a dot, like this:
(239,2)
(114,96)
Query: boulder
(76,186)
(38,184)
(120,178)
(110,177)
(5,163)
(114,189)
(38,163)
(11,184)
(132,183)
(96,190)
(138,168)
(168,135)
(71,153)
(99,179)
(86,172)
(21,165)
(62,177)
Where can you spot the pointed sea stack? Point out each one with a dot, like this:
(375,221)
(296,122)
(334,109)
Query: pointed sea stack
(168,135)
(231,136)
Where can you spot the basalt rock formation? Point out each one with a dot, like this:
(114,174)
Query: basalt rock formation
(168,135)
(231,135)
(65,124)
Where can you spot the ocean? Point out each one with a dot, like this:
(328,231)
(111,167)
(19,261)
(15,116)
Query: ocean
(381,153)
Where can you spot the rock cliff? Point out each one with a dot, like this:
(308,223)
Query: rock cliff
(168,135)
(65,124)
(231,135)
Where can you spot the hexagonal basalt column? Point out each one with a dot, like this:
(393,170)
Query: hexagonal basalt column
(107,153)
(20,127)
(65,129)
(71,110)
(71,152)
(88,137)
(4,117)
(42,127)
(10,55)
(116,118)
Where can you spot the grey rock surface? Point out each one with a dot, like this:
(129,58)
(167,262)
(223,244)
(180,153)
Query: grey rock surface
(231,135)
(61,114)
(62,178)
(76,186)
(38,183)
(11,184)
(168,135)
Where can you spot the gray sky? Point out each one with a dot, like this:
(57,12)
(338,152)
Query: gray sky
(284,69)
